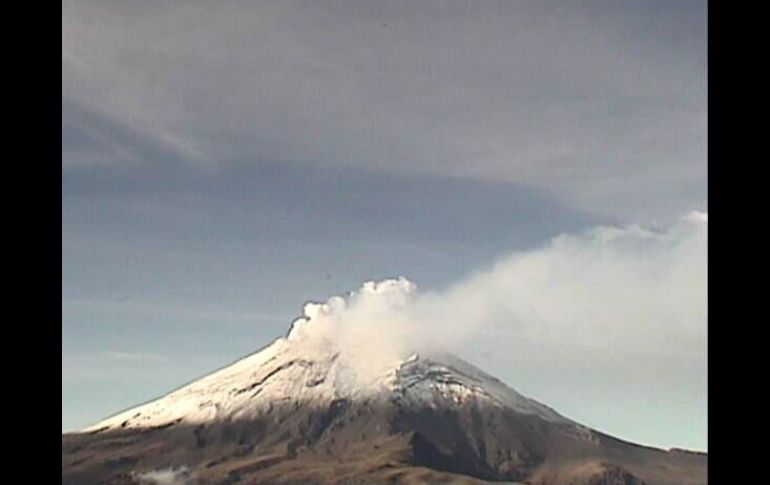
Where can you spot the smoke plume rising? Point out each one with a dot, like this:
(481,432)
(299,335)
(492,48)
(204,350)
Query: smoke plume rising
(620,297)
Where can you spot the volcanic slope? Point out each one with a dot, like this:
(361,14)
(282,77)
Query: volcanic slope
(305,410)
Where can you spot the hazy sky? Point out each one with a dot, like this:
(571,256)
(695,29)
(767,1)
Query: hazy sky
(224,162)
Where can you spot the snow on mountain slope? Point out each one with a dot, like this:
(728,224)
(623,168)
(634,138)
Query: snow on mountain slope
(334,351)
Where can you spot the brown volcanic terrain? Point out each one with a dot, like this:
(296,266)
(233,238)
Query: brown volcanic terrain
(349,442)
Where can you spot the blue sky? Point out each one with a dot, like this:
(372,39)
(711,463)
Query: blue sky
(222,166)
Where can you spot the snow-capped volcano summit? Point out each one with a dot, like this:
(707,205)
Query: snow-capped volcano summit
(282,372)
(353,394)
(324,358)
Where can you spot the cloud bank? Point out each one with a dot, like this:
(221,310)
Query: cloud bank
(604,102)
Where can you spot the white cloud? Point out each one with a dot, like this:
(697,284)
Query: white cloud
(696,216)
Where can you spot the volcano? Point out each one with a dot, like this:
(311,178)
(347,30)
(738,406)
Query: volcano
(306,409)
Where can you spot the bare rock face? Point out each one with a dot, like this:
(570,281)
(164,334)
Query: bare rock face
(602,474)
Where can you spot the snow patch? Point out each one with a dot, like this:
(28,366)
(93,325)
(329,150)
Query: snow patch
(165,476)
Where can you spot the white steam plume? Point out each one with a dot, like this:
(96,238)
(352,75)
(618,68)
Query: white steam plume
(371,329)
(607,296)
(609,289)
